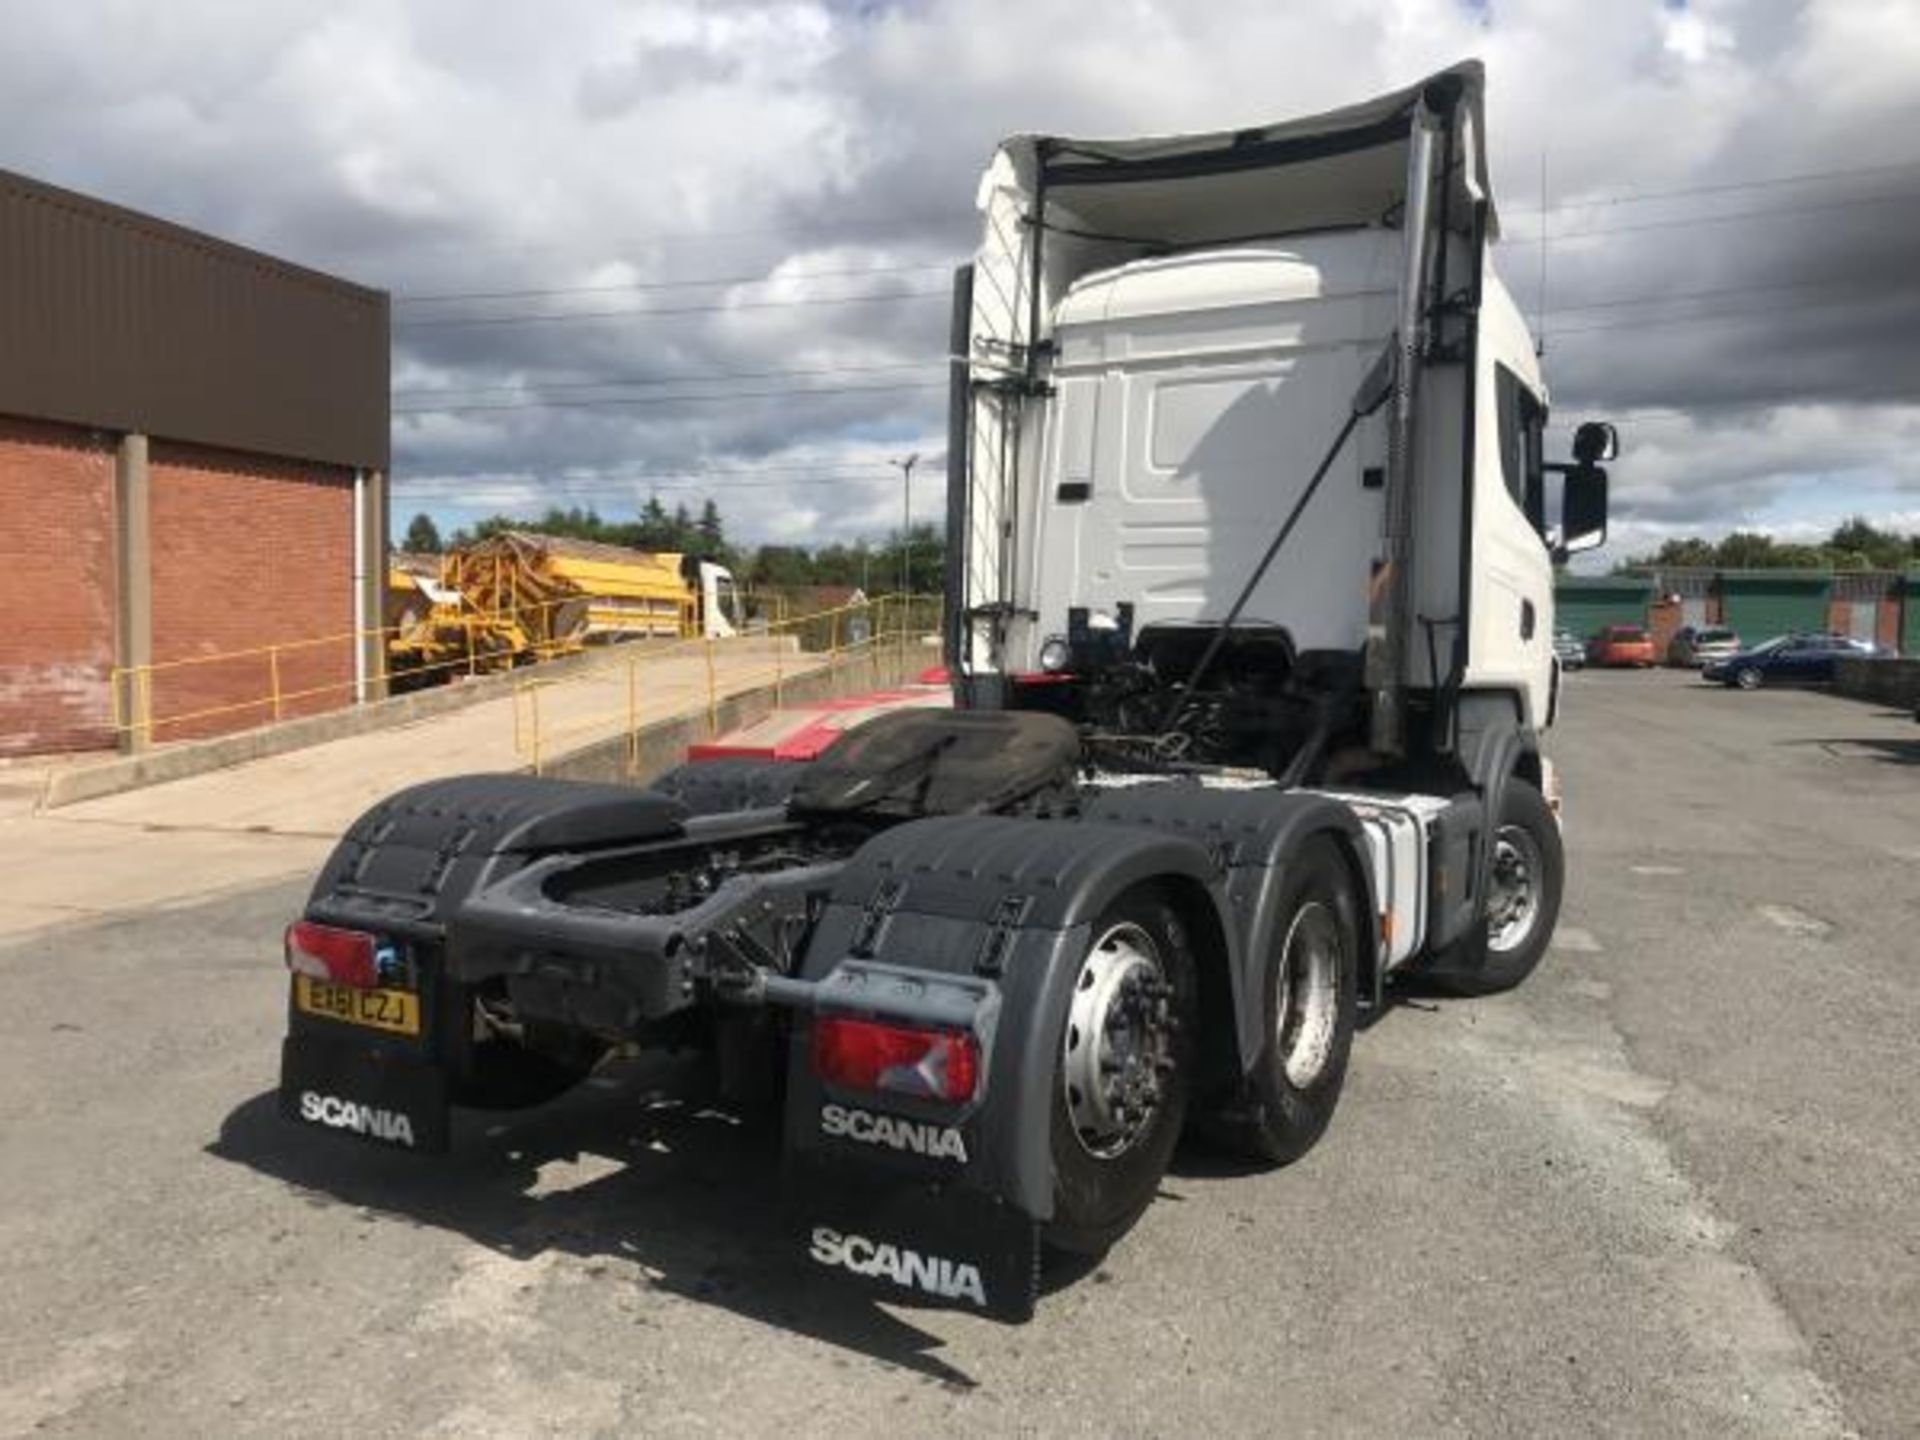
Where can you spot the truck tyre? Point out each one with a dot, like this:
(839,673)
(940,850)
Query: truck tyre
(1287,1100)
(1523,900)
(1120,1090)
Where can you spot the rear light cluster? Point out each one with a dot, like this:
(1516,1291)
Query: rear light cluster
(326,952)
(901,1059)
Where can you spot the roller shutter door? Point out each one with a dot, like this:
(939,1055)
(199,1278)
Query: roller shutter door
(1759,609)
(1583,610)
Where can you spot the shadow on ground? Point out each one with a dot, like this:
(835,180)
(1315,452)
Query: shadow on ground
(1886,750)
(646,1167)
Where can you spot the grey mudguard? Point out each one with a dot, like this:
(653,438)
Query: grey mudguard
(1494,746)
(1250,834)
(1004,900)
(408,863)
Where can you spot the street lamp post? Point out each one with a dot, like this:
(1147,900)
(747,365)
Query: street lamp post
(906,521)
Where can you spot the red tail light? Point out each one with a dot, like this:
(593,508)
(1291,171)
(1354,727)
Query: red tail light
(869,1055)
(346,957)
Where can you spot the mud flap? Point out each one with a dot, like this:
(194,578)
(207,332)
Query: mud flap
(931,1243)
(359,1088)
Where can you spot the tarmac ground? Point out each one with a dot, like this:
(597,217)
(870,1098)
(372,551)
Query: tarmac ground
(1666,1187)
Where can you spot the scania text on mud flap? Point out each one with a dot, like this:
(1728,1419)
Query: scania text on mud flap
(943,1142)
(1249,630)
(932,1275)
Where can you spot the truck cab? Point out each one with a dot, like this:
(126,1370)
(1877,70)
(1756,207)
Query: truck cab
(1155,346)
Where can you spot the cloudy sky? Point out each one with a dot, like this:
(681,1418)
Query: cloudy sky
(702,249)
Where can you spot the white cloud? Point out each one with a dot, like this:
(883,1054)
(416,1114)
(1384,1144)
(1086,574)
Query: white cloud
(432,147)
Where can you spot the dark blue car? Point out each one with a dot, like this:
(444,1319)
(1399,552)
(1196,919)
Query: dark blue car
(1788,660)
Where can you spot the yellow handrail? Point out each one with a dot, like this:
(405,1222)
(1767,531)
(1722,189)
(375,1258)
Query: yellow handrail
(640,698)
(131,688)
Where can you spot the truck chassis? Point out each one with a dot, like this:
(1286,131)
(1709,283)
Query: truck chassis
(999,983)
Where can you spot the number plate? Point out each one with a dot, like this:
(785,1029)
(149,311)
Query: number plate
(395,1011)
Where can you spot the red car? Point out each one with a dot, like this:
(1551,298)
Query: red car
(1621,645)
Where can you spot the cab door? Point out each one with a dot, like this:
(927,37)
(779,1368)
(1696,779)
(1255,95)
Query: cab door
(1513,573)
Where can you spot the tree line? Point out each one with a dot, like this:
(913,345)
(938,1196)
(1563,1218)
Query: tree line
(1856,545)
(875,568)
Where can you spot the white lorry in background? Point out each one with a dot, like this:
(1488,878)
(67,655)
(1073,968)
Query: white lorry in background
(1250,629)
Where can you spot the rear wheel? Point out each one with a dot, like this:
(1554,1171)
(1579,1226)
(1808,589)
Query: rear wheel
(1287,1101)
(1523,900)
(1120,1092)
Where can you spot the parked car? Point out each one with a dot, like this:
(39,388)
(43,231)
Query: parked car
(1695,645)
(1568,650)
(1621,645)
(1788,660)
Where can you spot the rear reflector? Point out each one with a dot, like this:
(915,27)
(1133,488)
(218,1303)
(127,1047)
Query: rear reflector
(345,957)
(869,1055)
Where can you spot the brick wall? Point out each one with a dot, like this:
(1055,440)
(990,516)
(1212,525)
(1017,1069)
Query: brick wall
(1886,631)
(56,587)
(248,552)
(1664,618)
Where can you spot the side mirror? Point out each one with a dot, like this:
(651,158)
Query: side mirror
(1583,508)
(1594,443)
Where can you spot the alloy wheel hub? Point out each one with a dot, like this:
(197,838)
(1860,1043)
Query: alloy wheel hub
(1118,1049)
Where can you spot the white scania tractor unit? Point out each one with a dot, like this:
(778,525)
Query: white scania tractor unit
(1250,633)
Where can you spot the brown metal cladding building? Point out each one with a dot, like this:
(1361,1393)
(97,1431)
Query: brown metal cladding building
(193,457)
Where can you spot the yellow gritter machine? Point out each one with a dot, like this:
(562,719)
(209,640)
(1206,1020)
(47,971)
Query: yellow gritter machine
(516,597)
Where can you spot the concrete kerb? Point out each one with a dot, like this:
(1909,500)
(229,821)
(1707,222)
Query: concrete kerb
(70,784)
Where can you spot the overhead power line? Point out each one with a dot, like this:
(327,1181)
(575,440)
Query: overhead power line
(903,219)
(525,387)
(1665,297)
(449,296)
(1553,237)
(636,484)
(645,400)
(1636,417)
(837,226)
(701,470)
(1681,192)
(531,395)
(564,316)
(1880,301)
